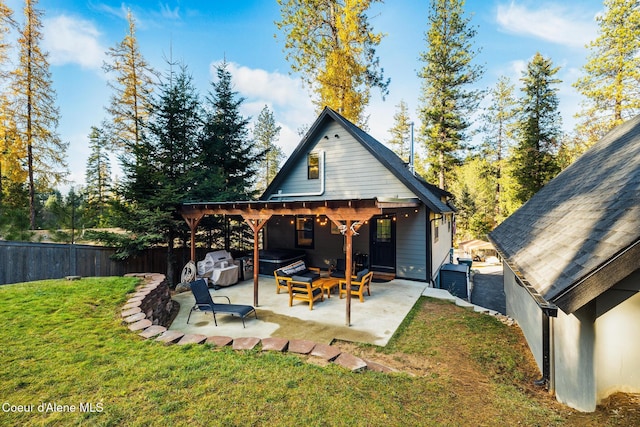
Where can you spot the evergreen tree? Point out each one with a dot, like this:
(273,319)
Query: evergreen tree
(538,128)
(36,113)
(448,73)
(400,141)
(132,85)
(611,75)
(227,160)
(498,131)
(265,134)
(332,44)
(98,178)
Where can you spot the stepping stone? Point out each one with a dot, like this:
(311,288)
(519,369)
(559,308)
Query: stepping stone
(142,293)
(133,304)
(301,346)
(354,364)
(140,325)
(130,311)
(152,331)
(245,343)
(375,366)
(326,352)
(169,337)
(219,341)
(135,299)
(192,339)
(135,317)
(274,344)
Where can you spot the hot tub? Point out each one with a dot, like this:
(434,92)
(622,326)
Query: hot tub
(273,259)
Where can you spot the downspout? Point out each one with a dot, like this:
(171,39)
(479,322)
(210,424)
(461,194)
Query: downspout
(548,368)
(549,311)
(313,193)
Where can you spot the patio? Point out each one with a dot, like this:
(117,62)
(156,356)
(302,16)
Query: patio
(374,321)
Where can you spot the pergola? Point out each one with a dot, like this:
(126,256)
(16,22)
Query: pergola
(347,215)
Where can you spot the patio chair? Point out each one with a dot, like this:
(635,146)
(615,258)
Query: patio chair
(204,302)
(358,284)
(305,289)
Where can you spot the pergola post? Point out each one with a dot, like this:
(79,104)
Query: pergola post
(349,229)
(193,219)
(256,225)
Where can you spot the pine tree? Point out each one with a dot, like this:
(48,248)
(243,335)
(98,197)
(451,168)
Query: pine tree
(332,44)
(498,131)
(448,73)
(538,128)
(612,73)
(98,177)
(36,113)
(227,161)
(265,134)
(132,85)
(400,141)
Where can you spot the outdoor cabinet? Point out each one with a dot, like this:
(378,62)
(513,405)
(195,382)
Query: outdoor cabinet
(455,279)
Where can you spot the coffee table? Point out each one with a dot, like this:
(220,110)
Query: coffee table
(328,284)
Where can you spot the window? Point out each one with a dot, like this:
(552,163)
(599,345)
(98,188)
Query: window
(313,166)
(304,232)
(383,230)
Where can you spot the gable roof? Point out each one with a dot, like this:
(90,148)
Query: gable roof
(580,234)
(427,193)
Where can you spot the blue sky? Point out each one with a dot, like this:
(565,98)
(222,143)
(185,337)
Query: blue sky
(201,33)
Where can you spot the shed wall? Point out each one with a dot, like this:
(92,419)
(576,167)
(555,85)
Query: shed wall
(618,339)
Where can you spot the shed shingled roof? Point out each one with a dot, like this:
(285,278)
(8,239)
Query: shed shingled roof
(585,219)
(428,193)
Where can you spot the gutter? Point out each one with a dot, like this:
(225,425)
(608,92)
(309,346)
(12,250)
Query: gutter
(312,193)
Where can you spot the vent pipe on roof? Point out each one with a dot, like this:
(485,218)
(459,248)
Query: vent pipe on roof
(411,154)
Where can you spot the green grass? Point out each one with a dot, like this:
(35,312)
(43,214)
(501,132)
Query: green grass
(63,342)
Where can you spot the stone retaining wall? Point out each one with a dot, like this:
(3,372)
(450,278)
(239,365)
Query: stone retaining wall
(148,313)
(151,304)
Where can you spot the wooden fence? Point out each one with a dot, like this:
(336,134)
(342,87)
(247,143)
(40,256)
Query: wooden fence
(24,261)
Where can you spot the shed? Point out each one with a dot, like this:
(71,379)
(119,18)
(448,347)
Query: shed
(572,275)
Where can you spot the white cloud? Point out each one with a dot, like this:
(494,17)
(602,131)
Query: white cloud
(551,22)
(290,102)
(71,40)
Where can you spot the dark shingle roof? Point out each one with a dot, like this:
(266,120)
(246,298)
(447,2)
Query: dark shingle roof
(428,194)
(584,219)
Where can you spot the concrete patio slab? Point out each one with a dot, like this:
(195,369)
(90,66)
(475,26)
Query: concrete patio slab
(374,321)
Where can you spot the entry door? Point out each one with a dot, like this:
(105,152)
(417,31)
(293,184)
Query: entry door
(383,244)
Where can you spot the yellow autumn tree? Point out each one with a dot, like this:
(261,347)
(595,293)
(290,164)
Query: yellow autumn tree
(332,45)
(35,113)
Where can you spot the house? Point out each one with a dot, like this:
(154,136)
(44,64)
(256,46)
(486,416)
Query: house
(572,272)
(410,237)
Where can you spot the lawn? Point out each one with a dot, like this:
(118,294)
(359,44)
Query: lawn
(66,359)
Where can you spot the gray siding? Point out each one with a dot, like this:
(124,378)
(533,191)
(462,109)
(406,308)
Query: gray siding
(350,171)
(411,244)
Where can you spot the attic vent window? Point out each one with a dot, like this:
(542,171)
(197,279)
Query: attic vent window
(313,166)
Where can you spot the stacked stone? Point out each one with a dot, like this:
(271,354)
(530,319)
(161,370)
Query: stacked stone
(150,305)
